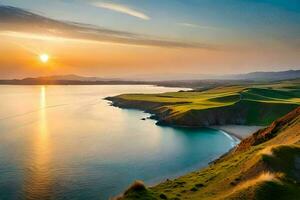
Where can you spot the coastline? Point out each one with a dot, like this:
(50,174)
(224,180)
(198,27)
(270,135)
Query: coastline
(239,132)
(236,133)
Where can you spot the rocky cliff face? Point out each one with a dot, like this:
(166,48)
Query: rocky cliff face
(271,131)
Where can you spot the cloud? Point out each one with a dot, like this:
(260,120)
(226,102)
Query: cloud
(18,22)
(191,25)
(121,9)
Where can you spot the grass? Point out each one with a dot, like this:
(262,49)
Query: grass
(262,103)
(192,100)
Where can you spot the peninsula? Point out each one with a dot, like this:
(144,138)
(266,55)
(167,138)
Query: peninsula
(252,104)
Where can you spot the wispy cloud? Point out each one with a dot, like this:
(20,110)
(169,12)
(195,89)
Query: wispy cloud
(121,9)
(18,23)
(191,25)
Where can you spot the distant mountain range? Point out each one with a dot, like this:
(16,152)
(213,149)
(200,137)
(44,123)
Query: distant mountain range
(154,79)
(253,76)
(71,77)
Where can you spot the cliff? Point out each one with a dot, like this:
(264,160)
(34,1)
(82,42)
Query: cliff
(239,113)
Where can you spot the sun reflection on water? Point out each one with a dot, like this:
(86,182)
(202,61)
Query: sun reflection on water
(38,176)
(42,113)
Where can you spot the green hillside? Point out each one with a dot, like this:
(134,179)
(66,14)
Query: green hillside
(264,166)
(258,104)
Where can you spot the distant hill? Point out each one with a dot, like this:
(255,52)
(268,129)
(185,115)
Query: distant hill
(71,77)
(253,76)
(68,80)
(281,75)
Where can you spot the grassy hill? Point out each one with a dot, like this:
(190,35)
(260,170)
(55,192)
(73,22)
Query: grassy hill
(264,166)
(258,104)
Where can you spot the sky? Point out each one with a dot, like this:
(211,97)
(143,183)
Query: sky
(132,38)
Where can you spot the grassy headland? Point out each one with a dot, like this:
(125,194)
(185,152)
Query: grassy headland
(257,104)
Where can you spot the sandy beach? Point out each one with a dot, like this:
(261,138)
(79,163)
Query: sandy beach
(239,131)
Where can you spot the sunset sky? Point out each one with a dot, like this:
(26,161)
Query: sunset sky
(126,38)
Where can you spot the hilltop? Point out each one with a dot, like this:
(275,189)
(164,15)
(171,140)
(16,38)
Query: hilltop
(249,104)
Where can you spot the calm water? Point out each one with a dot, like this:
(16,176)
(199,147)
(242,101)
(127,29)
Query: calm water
(66,142)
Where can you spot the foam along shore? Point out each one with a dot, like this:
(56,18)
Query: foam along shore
(239,131)
(234,140)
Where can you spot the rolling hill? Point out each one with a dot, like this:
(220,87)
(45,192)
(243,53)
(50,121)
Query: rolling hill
(257,104)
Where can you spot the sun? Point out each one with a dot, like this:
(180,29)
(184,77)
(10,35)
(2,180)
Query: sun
(44,57)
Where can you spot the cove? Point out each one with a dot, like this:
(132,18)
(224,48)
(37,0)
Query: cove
(67,142)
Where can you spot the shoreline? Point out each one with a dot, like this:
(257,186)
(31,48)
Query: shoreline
(239,131)
(231,134)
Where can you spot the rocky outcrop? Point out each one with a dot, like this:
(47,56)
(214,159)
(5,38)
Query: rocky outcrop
(269,132)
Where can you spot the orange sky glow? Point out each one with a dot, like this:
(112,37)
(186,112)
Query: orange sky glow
(19,58)
(181,47)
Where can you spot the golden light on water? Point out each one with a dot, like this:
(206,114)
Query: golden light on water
(44,57)
(38,181)
(42,99)
(43,114)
